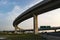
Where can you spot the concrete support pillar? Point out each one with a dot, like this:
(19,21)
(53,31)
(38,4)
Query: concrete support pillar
(55,30)
(35,18)
(16,28)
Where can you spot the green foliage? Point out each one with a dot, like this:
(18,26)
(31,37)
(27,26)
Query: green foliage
(23,37)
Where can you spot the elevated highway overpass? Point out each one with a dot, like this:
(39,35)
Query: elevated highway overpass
(40,8)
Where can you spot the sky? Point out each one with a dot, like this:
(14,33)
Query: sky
(10,9)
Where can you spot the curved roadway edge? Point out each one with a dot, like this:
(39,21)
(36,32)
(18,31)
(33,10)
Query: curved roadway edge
(40,8)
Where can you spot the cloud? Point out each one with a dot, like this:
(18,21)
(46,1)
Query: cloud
(51,18)
(7,19)
(3,2)
(31,4)
(15,12)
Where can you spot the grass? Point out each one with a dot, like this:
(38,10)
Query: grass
(22,36)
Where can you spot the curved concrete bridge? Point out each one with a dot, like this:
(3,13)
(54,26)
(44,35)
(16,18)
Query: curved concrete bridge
(40,8)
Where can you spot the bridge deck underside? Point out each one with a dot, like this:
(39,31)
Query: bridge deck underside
(40,8)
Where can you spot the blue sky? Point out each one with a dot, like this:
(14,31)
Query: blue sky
(8,5)
(10,9)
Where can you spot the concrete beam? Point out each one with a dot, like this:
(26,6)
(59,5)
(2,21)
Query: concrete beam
(35,19)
